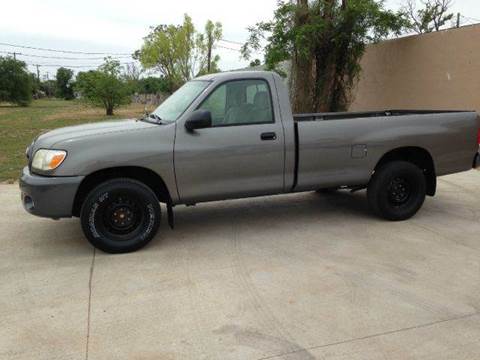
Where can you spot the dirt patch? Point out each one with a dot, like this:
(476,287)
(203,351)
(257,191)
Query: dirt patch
(73,113)
(5,109)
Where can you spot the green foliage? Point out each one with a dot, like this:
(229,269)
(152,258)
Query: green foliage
(431,17)
(325,40)
(206,44)
(64,86)
(48,87)
(179,52)
(104,87)
(16,83)
(131,75)
(255,63)
(35,84)
(153,85)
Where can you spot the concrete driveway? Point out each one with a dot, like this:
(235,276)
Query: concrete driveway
(302,276)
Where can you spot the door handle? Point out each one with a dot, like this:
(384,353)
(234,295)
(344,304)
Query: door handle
(268,136)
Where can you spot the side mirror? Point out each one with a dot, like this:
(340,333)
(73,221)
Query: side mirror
(199,119)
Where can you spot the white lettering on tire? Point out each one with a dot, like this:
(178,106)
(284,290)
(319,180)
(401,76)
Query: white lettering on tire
(104,197)
(91,221)
(91,216)
(151,221)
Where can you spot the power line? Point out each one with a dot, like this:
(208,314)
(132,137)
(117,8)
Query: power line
(64,66)
(119,55)
(470,19)
(227,48)
(232,42)
(72,66)
(63,57)
(232,49)
(61,51)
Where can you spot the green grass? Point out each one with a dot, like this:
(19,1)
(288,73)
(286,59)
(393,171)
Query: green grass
(20,125)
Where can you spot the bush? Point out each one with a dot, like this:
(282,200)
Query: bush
(64,85)
(104,87)
(153,85)
(15,82)
(49,87)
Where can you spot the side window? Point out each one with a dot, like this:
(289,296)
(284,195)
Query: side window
(240,102)
(216,103)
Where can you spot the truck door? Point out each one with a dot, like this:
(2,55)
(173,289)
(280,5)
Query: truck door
(241,155)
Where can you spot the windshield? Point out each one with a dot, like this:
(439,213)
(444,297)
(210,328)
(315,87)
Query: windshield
(170,110)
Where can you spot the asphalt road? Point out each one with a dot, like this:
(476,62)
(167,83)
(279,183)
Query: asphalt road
(302,276)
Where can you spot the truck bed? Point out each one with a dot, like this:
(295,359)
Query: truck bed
(369,114)
(344,148)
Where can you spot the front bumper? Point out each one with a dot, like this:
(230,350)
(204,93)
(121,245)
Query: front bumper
(50,197)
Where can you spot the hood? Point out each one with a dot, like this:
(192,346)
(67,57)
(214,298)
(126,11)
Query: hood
(50,138)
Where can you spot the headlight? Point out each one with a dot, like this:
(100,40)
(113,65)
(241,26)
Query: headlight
(45,160)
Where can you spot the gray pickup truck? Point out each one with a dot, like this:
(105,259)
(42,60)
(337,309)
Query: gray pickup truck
(233,135)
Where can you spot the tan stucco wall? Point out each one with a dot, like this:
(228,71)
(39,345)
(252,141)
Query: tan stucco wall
(433,71)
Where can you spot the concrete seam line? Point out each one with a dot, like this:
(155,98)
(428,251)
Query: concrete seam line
(374,335)
(89,303)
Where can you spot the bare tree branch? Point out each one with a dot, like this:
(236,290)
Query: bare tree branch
(431,16)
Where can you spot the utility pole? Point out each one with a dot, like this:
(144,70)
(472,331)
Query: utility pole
(458,20)
(14,66)
(38,73)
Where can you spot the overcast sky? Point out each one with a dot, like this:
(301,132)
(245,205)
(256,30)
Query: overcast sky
(119,26)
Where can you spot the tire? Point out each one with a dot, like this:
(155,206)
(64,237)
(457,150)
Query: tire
(120,216)
(397,191)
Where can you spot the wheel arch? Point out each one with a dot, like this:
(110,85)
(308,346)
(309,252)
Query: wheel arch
(415,155)
(146,176)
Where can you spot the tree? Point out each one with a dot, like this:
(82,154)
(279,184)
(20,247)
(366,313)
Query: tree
(179,52)
(35,85)
(255,63)
(206,42)
(64,86)
(48,87)
(132,72)
(15,82)
(153,85)
(325,41)
(431,17)
(104,87)
(131,75)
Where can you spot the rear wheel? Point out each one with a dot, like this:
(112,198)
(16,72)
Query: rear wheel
(120,216)
(397,191)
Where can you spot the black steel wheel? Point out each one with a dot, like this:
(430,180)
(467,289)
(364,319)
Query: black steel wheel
(120,215)
(397,190)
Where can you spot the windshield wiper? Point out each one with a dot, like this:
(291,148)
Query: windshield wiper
(152,116)
(156,117)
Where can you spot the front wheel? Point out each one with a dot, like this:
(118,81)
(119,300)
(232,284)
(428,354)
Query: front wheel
(120,216)
(397,191)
